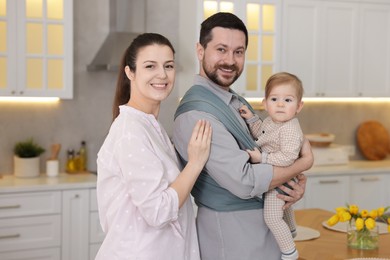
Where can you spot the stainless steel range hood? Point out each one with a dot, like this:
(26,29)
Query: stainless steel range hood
(110,53)
(127,20)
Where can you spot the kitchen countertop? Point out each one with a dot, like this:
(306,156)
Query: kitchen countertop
(64,181)
(353,167)
(9,183)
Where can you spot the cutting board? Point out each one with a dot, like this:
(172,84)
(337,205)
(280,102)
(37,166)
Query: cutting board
(373,140)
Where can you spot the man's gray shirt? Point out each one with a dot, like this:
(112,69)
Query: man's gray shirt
(229,235)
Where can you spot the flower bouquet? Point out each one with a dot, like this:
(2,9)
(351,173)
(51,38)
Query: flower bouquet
(362,232)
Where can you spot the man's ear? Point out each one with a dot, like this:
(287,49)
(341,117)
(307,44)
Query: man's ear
(199,51)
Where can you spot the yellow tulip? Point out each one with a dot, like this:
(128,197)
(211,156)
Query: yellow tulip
(340,210)
(364,213)
(388,221)
(333,220)
(359,223)
(370,223)
(381,210)
(353,209)
(373,213)
(388,228)
(345,216)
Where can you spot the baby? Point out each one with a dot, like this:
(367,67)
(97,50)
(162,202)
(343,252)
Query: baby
(280,139)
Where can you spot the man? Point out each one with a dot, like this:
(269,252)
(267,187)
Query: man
(229,191)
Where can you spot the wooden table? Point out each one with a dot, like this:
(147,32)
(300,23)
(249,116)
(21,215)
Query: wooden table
(332,245)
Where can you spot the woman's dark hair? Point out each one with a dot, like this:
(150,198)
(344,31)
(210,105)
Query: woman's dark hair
(122,94)
(224,20)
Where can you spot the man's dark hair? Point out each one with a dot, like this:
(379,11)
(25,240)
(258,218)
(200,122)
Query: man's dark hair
(224,20)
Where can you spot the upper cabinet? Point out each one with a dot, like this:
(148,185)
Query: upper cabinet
(36,48)
(374,50)
(338,49)
(263,21)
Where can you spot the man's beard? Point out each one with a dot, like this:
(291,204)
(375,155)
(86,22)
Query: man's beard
(213,75)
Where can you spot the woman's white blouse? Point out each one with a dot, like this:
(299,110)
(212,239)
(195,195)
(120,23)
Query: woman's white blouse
(138,210)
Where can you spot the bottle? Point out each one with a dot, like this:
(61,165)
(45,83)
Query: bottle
(77,162)
(70,163)
(83,156)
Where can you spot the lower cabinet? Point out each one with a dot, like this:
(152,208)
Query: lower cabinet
(50,225)
(30,225)
(368,191)
(30,232)
(327,192)
(41,254)
(75,218)
(96,233)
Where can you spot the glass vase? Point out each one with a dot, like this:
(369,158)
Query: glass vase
(362,239)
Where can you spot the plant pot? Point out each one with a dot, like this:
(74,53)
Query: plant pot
(363,239)
(26,167)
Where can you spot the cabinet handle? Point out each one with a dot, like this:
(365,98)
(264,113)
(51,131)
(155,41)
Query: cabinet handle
(10,236)
(329,182)
(10,207)
(369,179)
(77,196)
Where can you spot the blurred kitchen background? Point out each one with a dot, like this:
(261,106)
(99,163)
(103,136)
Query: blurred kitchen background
(87,116)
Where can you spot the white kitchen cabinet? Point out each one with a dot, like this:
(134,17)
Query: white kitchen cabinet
(48,217)
(300,42)
(96,233)
(36,48)
(30,232)
(75,222)
(364,183)
(30,221)
(300,204)
(327,192)
(41,254)
(388,190)
(369,191)
(337,48)
(374,50)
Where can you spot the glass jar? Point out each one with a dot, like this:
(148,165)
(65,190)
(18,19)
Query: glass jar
(362,239)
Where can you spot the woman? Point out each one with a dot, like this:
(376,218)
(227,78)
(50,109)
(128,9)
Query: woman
(143,198)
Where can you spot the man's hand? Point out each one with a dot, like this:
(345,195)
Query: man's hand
(294,194)
(254,155)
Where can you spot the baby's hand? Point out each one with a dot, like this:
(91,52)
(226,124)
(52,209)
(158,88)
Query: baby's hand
(255,155)
(245,112)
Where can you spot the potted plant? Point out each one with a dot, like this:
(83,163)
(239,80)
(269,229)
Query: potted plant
(26,159)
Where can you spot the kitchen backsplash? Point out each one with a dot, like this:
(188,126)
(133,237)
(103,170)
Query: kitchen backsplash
(69,122)
(343,119)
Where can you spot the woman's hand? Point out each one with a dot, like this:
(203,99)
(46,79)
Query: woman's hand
(199,144)
(198,154)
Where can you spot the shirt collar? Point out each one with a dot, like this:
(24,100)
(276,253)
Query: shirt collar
(225,96)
